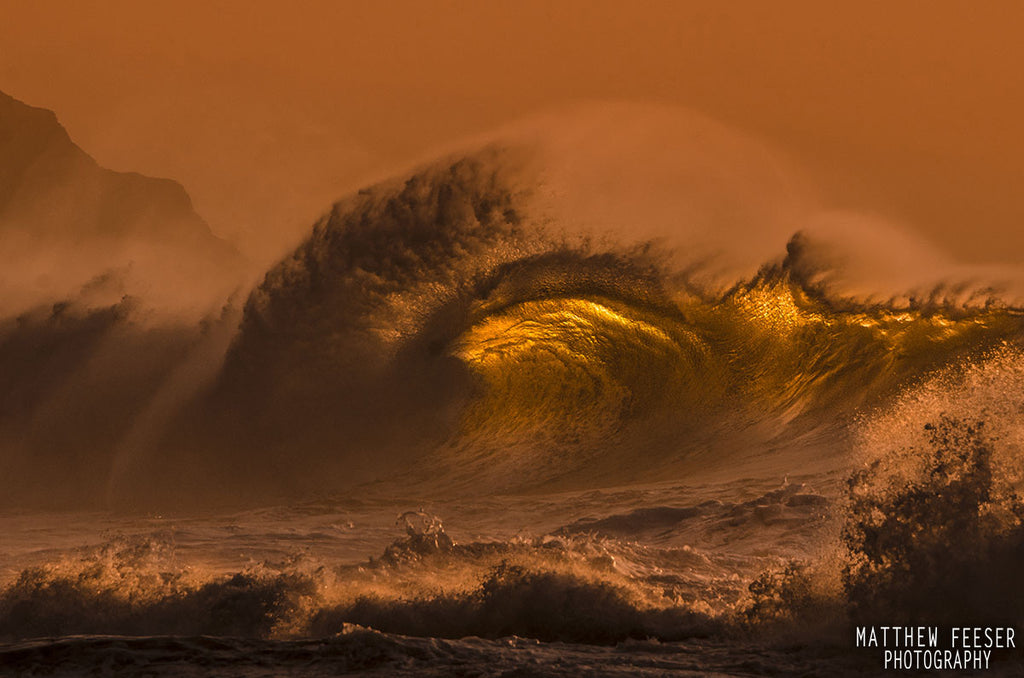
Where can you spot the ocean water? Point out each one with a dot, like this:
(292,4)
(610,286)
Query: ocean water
(461,430)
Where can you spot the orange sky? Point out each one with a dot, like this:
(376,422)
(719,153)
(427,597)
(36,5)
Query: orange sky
(267,111)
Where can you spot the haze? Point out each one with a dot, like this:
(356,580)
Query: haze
(267,112)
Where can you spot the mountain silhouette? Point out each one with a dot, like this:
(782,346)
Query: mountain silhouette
(66,221)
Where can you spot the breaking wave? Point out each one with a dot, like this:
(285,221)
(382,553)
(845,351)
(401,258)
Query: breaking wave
(449,327)
(545,311)
(565,589)
(592,581)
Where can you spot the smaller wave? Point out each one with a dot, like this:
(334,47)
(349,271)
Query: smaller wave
(515,600)
(133,586)
(558,587)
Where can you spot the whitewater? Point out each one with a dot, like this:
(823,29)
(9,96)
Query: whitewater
(606,394)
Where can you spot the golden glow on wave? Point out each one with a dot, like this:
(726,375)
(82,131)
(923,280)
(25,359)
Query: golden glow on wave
(580,367)
(783,309)
(775,307)
(576,327)
(576,367)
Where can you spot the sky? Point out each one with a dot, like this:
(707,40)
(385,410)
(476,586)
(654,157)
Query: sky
(269,111)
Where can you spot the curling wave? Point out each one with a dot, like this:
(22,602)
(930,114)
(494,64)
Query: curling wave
(550,310)
(455,326)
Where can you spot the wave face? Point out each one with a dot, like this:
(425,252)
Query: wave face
(454,324)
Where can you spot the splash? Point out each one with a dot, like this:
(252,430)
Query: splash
(424,584)
(936,514)
(931,528)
